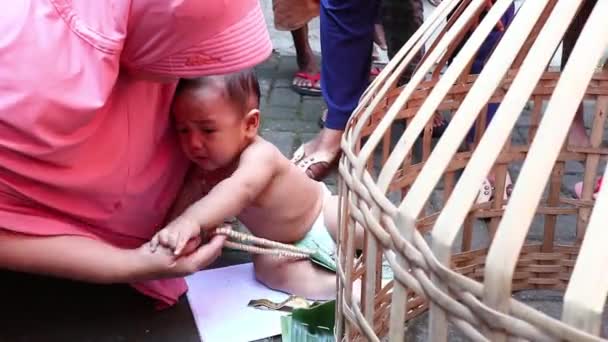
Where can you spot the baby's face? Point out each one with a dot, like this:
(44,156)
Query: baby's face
(211,130)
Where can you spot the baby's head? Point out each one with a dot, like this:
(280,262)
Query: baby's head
(217,117)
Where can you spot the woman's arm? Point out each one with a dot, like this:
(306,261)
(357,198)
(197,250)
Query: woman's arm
(85,259)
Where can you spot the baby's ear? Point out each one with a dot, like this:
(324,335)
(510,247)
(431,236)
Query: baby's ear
(252,122)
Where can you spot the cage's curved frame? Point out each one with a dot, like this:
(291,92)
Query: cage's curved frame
(472,289)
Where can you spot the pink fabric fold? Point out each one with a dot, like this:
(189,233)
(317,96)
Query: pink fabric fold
(86,148)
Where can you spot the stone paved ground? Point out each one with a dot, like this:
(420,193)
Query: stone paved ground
(289,119)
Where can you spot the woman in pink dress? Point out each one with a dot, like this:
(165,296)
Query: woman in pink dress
(89,162)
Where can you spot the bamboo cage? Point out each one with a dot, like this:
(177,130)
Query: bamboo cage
(416,197)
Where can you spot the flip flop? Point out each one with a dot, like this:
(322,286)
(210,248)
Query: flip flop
(374,72)
(578,188)
(313,79)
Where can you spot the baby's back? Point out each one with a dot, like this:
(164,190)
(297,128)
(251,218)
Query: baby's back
(288,206)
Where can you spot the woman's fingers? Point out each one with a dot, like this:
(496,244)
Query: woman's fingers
(207,253)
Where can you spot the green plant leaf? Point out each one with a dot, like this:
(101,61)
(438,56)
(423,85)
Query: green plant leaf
(308,325)
(323,260)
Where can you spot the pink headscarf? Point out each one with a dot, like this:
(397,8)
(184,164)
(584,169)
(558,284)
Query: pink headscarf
(86,146)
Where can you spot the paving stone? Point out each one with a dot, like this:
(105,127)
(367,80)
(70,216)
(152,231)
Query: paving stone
(519,137)
(287,67)
(574,168)
(307,136)
(312,108)
(514,169)
(285,99)
(296,126)
(268,69)
(270,112)
(522,133)
(565,232)
(282,140)
(537,228)
(265,87)
(568,182)
(284,84)
(524,119)
(418,330)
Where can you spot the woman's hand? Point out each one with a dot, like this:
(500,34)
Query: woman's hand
(162,263)
(176,235)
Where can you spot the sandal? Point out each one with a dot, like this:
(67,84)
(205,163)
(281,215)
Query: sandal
(298,155)
(307,84)
(316,165)
(375,71)
(439,125)
(322,119)
(486,192)
(578,188)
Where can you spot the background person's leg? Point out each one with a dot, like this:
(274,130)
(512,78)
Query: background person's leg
(578,134)
(306,80)
(347,29)
(401,19)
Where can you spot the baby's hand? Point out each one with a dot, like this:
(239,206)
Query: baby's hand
(176,235)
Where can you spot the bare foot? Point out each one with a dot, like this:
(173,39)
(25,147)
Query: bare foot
(375,54)
(328,140)
(578,136)
(307,63)
(307,80)
(379,36)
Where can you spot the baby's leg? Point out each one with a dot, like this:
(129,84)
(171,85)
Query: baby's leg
(298,277)
(330,217)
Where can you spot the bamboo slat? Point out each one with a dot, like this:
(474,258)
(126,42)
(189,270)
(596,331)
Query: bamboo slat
(430,237)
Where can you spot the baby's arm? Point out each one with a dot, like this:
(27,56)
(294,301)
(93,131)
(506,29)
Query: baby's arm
(192,190)
(257,166)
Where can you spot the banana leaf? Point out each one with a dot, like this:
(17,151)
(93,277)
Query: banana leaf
(323,260)
(307,325)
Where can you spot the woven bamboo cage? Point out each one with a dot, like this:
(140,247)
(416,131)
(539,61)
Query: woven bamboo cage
(416,198)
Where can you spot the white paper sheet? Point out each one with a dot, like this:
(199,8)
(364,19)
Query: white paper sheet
(218,299)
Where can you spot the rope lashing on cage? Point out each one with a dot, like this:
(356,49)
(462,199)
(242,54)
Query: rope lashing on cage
(256,245)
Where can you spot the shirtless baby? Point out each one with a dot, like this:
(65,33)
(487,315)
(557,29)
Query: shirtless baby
(241,174)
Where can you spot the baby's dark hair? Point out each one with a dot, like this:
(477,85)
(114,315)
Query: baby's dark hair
(240,88)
